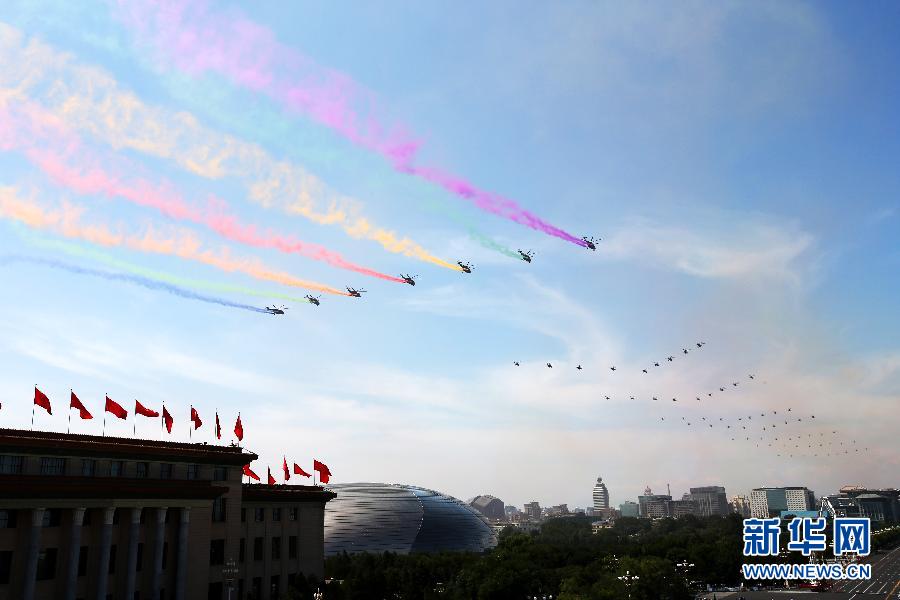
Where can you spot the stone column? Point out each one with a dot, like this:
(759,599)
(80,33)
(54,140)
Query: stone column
(31,559)
(134,533)
(181,569)
(105,541)
(74,552)
(158,542)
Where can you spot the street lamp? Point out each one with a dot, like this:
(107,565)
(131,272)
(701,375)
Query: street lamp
(229,573)
(628,579)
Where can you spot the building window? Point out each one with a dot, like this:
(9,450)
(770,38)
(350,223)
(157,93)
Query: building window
(165,559)
(116,468)
(5,566)
(112,558)
(193,471)
(276,548)
(217,552)
(242,550)
(292,513)
(140,557)
(256,588)
(292,546)
(220,474)
(258,548)
(88,466)
(82,561)
(11,465)
(52,466)
(273,586)
(86,519)
(165,471)
(276,514)
(243,515)
(52,517)
(46,564)
(218,510)
(142,469)
(8,518)
(259,515)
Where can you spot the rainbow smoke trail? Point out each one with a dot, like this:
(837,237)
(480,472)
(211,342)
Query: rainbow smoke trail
(135,279)
(77,251)
(195,40)
(66,222)
(67,162)
(90,100)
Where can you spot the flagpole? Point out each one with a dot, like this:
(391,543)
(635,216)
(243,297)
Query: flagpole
(104,418)
(191,431)
(32,410)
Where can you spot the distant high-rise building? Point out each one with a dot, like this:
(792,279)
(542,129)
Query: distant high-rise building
(770,502)
(629,509)
(711,500)
(601,495)
(649,498)
(489,506)
(533,510)
(741,505)
(511,510)
(856,501)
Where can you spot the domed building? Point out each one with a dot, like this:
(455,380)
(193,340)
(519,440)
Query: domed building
(380,517)
(489,506)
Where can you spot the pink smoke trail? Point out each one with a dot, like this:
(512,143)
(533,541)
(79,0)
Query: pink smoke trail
(63,159)
(195,41)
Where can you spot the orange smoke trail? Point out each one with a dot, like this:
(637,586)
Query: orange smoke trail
(91,100)
(185,245)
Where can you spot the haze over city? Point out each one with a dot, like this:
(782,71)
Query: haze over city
(746,200)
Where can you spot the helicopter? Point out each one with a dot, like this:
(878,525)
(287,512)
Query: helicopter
(355,293)
(410,279)
(590,242)
(313,299)
(527,255)
(466,267)
(274,310)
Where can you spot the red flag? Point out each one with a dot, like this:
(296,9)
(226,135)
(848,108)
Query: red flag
(195,417)
(287,473)
(218,427)
(76,403)
(41,399)
(239,429)
(322,468)
(114,408)
(250,473)
(140,409)
(271,479)
(299,471)
(167,419)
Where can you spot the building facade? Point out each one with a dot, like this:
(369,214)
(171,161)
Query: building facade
(600,496)
(629,509)
(879,505)
(659,510)
(532,510)
(101,517)
(710,500)
(741,505)
(489,506)
(770,502)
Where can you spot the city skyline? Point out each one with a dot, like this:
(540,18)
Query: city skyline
(737,161)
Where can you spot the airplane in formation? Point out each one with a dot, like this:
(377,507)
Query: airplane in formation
(313,299)
(275,310)
(590,242)
(527,255)
(410,279)
(466,267)
(355,293)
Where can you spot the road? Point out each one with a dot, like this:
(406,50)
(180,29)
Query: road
(884,585)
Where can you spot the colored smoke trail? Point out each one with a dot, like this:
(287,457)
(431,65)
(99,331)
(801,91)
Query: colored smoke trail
(184,245)
(90,100)
(77,251)
(195,40)
(135,279)
(27,125)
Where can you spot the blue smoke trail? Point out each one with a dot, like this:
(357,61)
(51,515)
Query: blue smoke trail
(135,279)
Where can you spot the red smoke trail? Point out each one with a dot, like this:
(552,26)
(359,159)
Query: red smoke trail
(196,40)
(23,128)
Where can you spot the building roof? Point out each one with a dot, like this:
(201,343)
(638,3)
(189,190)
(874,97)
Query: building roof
(52,443)
(261,492)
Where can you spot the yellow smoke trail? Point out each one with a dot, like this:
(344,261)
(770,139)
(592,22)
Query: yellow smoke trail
(66,222)
(90,99)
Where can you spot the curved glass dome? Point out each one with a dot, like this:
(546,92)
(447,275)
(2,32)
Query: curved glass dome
(380,517)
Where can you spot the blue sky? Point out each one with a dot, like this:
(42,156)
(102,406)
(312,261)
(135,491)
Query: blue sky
(738,159)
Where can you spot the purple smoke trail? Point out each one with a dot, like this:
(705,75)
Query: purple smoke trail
(246,53)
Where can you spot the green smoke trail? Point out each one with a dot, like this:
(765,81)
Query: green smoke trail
(77,251)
